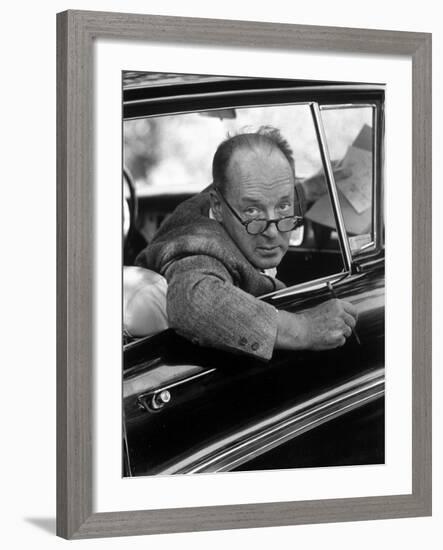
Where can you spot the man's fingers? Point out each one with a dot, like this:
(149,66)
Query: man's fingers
(349,320)
(349,308)
(330,324)
(338,340)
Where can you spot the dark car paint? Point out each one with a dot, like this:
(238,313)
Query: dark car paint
(220,392)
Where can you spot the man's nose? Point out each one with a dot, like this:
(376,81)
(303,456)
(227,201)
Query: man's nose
(271,230)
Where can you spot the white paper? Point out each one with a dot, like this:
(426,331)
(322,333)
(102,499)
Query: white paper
(357,187)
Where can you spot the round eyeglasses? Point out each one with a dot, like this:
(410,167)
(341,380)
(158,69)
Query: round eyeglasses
(259,225)
(284,225)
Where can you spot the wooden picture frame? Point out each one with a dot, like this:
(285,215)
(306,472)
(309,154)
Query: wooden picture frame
(76,32)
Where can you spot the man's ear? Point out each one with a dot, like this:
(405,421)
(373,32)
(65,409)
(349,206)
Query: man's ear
(216,205)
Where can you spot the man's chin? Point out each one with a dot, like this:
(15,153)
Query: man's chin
(268,260)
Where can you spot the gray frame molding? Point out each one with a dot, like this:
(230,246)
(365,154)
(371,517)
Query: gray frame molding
(76,31)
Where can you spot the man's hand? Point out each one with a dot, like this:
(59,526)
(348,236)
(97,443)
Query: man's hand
(320,328)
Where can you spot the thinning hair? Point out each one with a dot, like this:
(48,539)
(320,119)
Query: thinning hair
(267,136)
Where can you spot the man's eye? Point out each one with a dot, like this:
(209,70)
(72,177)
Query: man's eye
(251,212)
(284,208)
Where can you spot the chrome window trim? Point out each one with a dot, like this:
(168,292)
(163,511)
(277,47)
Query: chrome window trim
(333,106)
(307,286)
(330,180)
(177,383)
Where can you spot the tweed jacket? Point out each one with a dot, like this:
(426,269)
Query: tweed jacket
(212,287)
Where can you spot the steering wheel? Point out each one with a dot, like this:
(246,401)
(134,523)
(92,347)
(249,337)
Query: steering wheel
(133,240)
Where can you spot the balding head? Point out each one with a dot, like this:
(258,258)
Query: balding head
(263,142)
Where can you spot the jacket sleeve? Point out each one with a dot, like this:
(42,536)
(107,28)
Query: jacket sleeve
(205,306)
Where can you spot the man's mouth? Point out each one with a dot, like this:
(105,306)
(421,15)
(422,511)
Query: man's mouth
(268,249)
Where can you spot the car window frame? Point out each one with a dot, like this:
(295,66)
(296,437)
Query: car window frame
(371,254)
(372,245)
(314,96)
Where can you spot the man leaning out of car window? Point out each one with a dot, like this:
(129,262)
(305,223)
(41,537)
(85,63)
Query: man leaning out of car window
(220,249)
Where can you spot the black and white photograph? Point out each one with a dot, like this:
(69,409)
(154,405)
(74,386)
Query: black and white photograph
(253,274)
(226,216)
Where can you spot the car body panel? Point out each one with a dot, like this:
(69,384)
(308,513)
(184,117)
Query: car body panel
(206,384)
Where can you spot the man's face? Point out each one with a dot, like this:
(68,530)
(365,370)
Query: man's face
(260,185)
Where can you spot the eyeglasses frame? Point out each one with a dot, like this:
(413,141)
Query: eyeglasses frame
(297,219)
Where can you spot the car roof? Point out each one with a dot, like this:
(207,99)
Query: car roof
(146,94)
(139,79)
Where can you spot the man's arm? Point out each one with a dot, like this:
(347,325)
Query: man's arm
(206,307)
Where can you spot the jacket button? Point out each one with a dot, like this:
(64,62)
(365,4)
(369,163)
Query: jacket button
(243,341)
(255,346)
